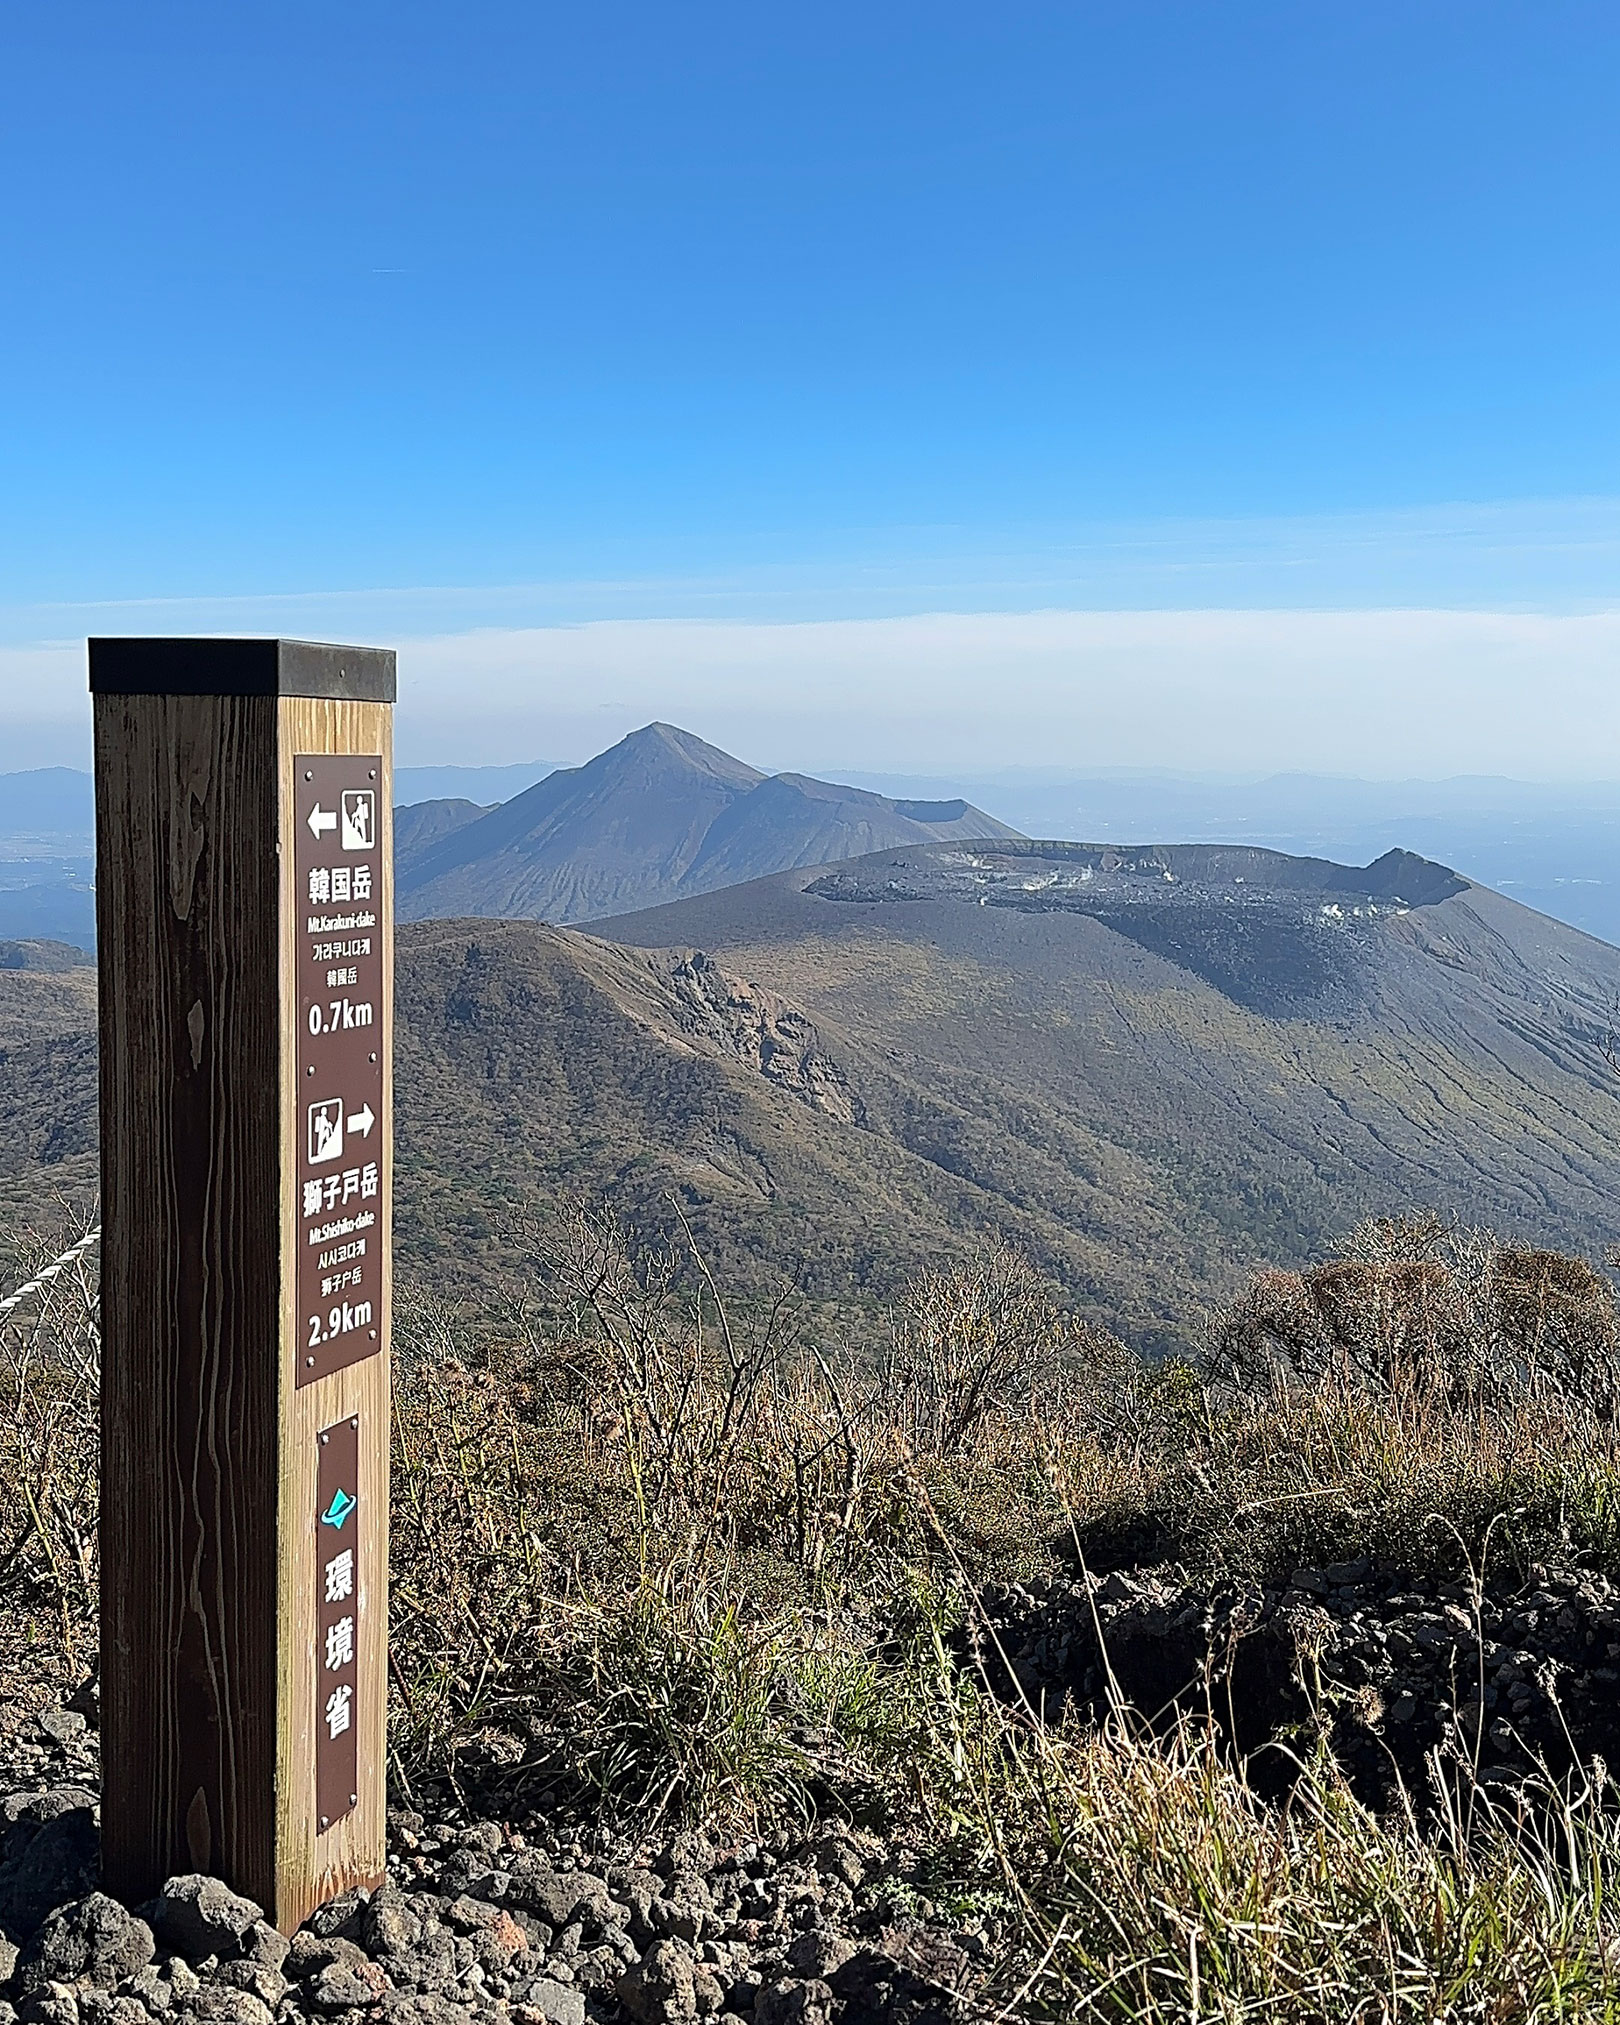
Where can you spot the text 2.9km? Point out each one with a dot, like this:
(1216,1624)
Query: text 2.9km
(339,1321)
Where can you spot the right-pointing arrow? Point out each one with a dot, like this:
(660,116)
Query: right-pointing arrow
(362,1121)
(321,820)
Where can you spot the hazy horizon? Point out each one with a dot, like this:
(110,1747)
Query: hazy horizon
(1522,694)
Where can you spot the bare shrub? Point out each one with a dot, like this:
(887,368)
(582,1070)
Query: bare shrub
(969,1339)
(1414,1303)
(1391,1317)
(1554,1318)
(648,1345)
(1270,1331)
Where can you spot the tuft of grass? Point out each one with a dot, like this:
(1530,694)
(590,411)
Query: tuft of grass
(1285,1479)
(1156,1887)
(688,1708)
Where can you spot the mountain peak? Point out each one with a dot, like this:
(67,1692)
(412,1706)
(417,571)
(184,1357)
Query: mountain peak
(658,743)
(659,814)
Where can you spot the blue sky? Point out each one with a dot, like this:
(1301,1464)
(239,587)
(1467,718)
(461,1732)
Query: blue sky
(473,327)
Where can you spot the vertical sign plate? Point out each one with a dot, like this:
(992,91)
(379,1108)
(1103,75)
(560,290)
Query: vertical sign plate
(342,1239)
(338,1629)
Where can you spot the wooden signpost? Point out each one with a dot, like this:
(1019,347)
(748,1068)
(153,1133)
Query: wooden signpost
(244,896)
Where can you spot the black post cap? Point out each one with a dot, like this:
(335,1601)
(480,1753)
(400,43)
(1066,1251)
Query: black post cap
(198,667)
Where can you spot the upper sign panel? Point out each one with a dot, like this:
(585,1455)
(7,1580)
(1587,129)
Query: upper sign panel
(340,815)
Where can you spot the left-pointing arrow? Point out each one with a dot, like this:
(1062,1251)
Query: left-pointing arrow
(361,1121)
(321,820)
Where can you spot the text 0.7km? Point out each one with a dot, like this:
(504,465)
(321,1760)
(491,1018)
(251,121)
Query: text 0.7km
(341,1016)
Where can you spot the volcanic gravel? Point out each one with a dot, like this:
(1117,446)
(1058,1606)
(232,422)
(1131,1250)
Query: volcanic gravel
(479,1920)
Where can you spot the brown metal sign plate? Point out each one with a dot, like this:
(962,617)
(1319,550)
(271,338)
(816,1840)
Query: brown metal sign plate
(339,821)
(339,1626)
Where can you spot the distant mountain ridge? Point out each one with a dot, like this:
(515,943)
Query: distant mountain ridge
(658,817)
(47,801)
(1147,1066)
(1553,847)
(419,826)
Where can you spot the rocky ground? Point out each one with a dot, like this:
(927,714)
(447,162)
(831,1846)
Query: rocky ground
(479,1920)
(1512,1681)
(536,1922)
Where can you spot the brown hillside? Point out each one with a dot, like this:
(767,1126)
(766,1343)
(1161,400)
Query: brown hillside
(1149,1068)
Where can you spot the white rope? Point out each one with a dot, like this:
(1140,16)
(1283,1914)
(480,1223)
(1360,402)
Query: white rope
(42,1280)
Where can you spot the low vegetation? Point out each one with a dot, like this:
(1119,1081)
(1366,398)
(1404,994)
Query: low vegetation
(656,1561)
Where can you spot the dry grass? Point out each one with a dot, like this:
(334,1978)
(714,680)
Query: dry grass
(1155,1885)
(653,1563)
(50,1371)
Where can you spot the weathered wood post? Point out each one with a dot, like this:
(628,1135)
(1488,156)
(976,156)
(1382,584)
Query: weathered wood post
(244,895)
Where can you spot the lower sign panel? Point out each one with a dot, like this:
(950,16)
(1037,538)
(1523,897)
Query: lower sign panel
(338,1624)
